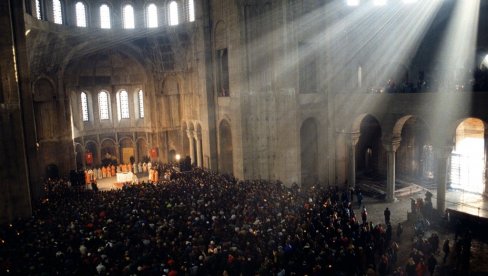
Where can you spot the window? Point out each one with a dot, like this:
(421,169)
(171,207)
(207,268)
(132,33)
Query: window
(38,9)
(84,107)
(128,15)
(152,16)
(58,12)
(105,17)
(173,13)
(80,14)
(222,73)
(103,105)
(140,97)
(123,105)
(191,10)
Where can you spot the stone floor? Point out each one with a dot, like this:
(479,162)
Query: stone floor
(454,199)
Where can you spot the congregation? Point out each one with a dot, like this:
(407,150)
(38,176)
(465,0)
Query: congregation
(198,223)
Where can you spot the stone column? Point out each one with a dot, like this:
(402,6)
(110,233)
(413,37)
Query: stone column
(198,139)
(189,133)
(442,154)
(352,141)
(391,148)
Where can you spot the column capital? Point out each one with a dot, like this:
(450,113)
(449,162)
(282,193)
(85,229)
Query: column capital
(353,137)
(392,143)
(190,133)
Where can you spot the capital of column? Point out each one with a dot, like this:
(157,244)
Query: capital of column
(353,137)
(197,135)
(190,133)
(392,144)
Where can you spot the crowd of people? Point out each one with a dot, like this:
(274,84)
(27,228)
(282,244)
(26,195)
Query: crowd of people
(198,223)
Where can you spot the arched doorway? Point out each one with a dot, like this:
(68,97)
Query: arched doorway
(309,153)
(370,155)
(414,158)
(91,149)
(108,152)
(142,151)
(468,157)
(226,164)
(126,150)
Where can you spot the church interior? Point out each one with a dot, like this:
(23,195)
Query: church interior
(385,95)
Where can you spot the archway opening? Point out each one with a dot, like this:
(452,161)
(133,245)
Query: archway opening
(309,153)
(468,157)
(414,156)
(370,156)
(225,144)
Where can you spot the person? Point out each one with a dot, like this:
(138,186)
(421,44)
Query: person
(364,215)
(446,249)
(360,198)
(387,214)
(399,230)
(431,264)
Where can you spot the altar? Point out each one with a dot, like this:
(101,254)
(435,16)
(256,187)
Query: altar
(124,177)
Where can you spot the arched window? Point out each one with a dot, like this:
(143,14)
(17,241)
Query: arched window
(128,15)
(103,105)
(80,14)
(84,107)
(152,16)
(173,13)
(123,105)
(140,97)
(105,17)
(58,12)
(38,9)
(191,10)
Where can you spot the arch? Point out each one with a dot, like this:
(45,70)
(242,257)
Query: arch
(91,147)
(226,163)
(370,154)
(142,150)
(468,165)
(108,151)
(309,152)
(44,90)
(81,14)
(414,156)
(220,35)
(127,151)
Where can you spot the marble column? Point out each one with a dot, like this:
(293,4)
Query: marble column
(189,133)
(198,139)
(442,154)
(391,148)
(352,141)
